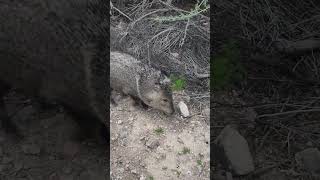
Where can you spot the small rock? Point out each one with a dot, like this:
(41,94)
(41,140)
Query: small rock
(143,164)
(142,177)
(119,122)
(236,150)
(310,160)
(175,55)
(134,171)
(152,143)
(31,149)
(121,170)
(183,109)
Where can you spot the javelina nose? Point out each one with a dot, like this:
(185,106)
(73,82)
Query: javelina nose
(170,112)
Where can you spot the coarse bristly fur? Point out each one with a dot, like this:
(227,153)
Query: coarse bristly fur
(130,76)
(58,54)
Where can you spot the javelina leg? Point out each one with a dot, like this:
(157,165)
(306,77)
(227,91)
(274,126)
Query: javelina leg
(139,102)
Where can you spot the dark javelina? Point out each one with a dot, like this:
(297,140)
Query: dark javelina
(130,76)
(56,50)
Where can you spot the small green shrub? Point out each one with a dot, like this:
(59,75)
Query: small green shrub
(178,83)
(184,151)
(226,68)
(159,131)
(199,162)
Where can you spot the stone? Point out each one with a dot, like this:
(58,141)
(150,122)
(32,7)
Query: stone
(152,143)
(183,109)
(309,159)
(236,150)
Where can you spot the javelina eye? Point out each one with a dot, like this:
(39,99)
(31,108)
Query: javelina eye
(165,100)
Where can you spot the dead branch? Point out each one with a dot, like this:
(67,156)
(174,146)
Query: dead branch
(297,47)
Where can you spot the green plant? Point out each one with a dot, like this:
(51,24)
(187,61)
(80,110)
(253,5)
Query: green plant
(199,162)
(178,83)
(185,150)
(151,178)
(226,68)
(198,8)
(159,131)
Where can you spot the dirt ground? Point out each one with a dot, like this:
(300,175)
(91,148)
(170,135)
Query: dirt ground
(50,147)
(146,144)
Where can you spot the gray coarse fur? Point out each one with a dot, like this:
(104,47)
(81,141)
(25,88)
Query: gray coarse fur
(56,50)
(129,76)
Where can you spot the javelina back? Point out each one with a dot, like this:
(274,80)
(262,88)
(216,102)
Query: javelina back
(56,50)
(131,77)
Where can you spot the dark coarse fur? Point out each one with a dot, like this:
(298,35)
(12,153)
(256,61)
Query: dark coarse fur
(57,50)
(130,76)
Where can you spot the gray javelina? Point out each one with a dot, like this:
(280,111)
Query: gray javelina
(57,50)
(130,76)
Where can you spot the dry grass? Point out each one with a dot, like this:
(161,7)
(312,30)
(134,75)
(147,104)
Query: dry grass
(167,37)
(160,29)
(287,106)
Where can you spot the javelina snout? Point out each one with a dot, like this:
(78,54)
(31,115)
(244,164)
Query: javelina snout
(160,99)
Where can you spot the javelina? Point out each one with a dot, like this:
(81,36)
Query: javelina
(57,50)
(129,76)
